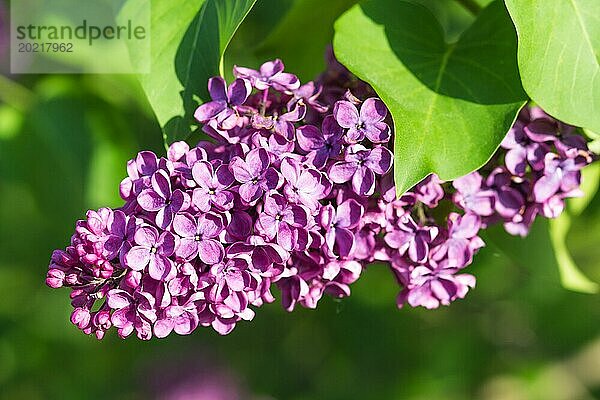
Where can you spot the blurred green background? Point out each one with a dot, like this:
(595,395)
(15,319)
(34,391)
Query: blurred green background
(64,142)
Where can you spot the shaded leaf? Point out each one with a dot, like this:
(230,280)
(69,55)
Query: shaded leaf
(299,37)
(559,53)
(296,41)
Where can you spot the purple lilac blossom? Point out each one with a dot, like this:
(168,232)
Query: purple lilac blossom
(368,122)
(540,166)
(360,166)
(295,193)
(255,175)
(269,75)
(212,186)
(225,103)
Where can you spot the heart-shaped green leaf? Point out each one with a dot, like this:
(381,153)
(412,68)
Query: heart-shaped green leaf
(189,38)
(559,56)
(451,104)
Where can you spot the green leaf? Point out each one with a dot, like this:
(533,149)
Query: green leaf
(451,104)
(189,38)
(559,54)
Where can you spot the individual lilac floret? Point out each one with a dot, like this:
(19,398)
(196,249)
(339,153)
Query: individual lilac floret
(269,75)
(462,241)
(133,311)
(408,237)
(183,319)
(321,145)
(304,185)
(558,175)
(213,186)
(366,123)
(509,200)
(282,125)
(255,175)
(527,143)
(360,165)
(160,198)
(224,102)
(432,286)
(338,224)
(429,191)
(199,237)
(152,250)
(309,94)
(285,222)
(472,196)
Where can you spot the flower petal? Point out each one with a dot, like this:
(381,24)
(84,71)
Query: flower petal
(149,200)
(137,258)
(345,114)
(379,160)
(160,267)
(373,110)
(161,184)
(238,91)
(209,225)
(210,251)
(349,213)
(363,181)
(216,88)
(118,298)
(202,172)
(342,171)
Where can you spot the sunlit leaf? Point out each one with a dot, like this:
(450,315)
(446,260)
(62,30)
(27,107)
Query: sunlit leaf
(559,56)
(451,103)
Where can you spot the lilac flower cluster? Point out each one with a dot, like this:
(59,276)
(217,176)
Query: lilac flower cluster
(294,191)
(537,168)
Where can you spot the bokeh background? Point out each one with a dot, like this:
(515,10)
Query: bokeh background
(64,142)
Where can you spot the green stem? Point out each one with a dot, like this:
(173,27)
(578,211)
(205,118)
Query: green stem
(470,5)
(421,214)
(15,95)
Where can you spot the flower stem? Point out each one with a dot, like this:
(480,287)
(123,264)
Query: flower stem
(263,104)
(471,6)
(421,214)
